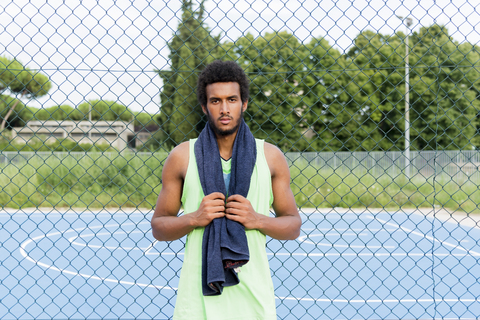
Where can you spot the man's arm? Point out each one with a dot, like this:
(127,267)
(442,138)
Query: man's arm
(286,225)
(166,224)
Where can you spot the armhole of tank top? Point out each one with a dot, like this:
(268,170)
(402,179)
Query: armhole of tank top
(191,153)
(261,146)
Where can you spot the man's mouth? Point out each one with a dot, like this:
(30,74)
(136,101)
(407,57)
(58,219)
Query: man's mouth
(225,120)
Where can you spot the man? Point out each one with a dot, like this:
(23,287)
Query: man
(223,94)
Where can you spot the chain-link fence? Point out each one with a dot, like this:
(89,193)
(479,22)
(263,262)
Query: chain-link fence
(375,104)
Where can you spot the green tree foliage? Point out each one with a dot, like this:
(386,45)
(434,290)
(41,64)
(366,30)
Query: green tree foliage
(102,110)
(444,95)
(275,64)
(375,89)
(22,83)
(144,120)
(58,113)
(191,48)
(310,97)
(60,145)
(444,80)
(18,118)
(327,106)
(8,70)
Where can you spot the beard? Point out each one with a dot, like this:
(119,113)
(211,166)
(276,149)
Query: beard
(223,133)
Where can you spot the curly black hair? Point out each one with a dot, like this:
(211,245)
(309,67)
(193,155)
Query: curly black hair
(221,71)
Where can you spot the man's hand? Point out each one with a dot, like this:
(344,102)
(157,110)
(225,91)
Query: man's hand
(211,207)
(240,209)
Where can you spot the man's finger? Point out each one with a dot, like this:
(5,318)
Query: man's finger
(217,202)
(233,204)
(231,211)
(216,195)
(236,197)
(232,216)
(219,214)
(219,208)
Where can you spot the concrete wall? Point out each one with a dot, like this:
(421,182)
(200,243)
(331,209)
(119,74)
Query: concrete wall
(115,133)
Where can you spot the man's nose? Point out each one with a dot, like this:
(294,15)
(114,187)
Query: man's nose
(224,108)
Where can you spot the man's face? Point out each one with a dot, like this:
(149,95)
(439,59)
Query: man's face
(224,107)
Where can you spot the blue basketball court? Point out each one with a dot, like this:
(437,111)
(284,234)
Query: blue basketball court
(345,265)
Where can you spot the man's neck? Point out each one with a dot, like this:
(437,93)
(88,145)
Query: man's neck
(225,145)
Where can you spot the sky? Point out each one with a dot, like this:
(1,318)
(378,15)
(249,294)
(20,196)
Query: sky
(110,49)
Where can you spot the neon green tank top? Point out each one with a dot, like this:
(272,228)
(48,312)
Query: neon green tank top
(253,298)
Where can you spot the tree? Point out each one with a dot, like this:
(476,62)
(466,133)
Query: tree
(326,102)
(144,120)
(275,64)
(191,49)
(21,82)
(22,115)
(57,113)
(375,81)
(444,83)
(472,59)
(445,87)
(102,110)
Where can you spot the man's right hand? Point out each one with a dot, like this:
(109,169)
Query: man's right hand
(211,207)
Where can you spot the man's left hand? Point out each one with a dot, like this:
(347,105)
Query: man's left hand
(239,209)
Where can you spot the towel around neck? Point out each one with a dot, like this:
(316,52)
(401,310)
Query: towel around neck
(224,244)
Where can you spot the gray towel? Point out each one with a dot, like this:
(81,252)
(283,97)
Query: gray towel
(224,245)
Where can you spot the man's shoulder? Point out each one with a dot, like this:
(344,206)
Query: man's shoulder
(178,158)
(275,158)
(180,151)
(272,150)
(181,148)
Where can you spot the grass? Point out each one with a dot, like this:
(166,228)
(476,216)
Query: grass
(326,188)
(94,181)
(99,180)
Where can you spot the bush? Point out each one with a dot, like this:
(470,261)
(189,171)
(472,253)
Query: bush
(60,145)
(103,111)
(97,180)
(58,113)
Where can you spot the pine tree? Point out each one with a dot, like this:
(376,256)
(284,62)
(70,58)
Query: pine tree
(21,82)
(191,49)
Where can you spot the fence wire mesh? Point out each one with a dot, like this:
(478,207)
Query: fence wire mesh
(375,105)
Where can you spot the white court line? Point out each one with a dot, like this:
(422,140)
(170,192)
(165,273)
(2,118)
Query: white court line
(92,277)
(379,300)
(335,233)
(302,239)
(150,248)
(71,240)
(349,229)
(146,250)
(78,274)
(369,254)
(340,254)
(407,230)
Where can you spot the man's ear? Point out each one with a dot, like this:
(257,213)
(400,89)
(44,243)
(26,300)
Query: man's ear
(244,107)
(204,109)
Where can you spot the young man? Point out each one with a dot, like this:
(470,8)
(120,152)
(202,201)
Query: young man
(256,177)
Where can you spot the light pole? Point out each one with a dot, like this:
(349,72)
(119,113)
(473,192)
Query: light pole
(90,124)
(408,22)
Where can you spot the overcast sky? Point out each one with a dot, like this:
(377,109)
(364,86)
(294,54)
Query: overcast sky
(109,49)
